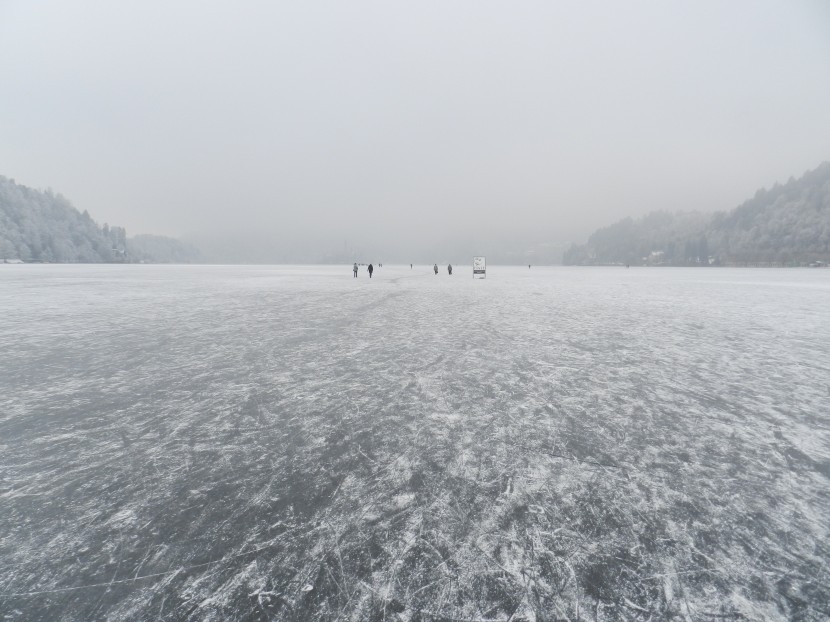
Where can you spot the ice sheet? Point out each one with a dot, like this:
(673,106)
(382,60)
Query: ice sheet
(257,442)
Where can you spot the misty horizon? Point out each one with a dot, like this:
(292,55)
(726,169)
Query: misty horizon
(399,129)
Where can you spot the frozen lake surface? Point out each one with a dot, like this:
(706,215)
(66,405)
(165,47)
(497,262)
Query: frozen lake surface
(290,443)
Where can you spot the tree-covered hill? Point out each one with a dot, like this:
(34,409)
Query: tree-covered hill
(44,226)
(788,224)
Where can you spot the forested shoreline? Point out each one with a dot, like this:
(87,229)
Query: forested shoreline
(41,226)
(786,225)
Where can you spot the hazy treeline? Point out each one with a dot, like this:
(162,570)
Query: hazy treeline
(43,226)
(787,224)
(161,249)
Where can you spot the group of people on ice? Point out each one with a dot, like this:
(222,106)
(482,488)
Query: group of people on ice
(370,268)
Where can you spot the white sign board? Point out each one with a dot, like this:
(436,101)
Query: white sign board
(479,268)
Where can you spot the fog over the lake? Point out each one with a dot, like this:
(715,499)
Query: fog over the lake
(392,127)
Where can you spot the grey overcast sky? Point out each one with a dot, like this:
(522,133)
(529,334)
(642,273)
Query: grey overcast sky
(320,122)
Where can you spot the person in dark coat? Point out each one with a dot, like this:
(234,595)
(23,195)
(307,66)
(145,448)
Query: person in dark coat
(435,267)
(449,269)
(371,269)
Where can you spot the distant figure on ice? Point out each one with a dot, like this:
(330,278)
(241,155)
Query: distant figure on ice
(528,266)
(410,266)
(354,269)
(371,269)
(435,267)
(449,269)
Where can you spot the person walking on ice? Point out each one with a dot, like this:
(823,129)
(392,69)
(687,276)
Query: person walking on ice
(449,269)
(435,267)
(371,269)
(354,269)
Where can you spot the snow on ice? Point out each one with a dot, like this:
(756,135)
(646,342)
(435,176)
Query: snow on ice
(217,442)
